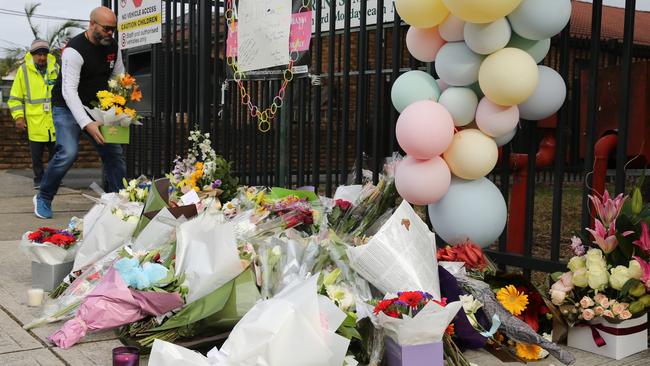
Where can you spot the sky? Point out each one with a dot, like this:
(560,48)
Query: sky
(14,29)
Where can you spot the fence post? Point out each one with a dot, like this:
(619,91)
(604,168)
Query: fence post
(205,54)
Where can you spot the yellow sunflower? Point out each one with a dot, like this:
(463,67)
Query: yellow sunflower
(118,99)
(514,301)
(106,103)
(529,352)
(104,94)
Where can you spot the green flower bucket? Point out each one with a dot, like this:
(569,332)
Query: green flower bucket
(115,134)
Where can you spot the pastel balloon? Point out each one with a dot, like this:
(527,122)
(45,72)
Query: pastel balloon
(487,38)
(502,140)
(508,76)
(547,98)
(471,209)
(413,86)
(536,49)
(461,103)
(421,182)
(424,43)
(451,29)
(540,19)
(422,13)
(481,11)
(472,154)
(424,130)
(496,120)
(442,85)
(457,65)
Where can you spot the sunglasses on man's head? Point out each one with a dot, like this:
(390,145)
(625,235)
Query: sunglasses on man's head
(107,28)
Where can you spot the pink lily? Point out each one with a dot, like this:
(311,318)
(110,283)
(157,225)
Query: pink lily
(644,240)
(605,239)
(645,267)
(608,209)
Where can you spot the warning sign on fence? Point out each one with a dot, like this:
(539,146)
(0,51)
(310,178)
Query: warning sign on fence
(139,23)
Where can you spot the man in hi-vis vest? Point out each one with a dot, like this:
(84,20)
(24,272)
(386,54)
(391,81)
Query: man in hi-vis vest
(30,104)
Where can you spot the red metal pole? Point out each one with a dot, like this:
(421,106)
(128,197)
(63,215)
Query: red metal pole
(517,208)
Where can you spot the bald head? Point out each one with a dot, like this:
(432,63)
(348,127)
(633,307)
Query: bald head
(102,26)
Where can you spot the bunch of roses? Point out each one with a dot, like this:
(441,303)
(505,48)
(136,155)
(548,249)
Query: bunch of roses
(406,303)
(589,308)
(467,252)
(60,238)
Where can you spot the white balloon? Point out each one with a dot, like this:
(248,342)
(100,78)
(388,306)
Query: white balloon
(536,49)
(471,209)
(461,103)
(540,19)
(547,98)
(502,140)
(487,38)
(451,29)
(457,65)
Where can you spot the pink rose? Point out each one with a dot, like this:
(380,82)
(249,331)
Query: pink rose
(602,300)
(618,309)
(586,302)
(608,313)
(564,283)
(587,314)
(626,314)
(599,310)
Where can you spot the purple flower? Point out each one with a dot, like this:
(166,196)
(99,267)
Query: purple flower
(577,247)
(216,183)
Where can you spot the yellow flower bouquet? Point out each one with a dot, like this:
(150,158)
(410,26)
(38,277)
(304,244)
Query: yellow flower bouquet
(113,108)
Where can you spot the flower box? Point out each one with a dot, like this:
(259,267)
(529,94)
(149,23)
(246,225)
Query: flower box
(49,276)
(428,354)
(115,134)
(620,340)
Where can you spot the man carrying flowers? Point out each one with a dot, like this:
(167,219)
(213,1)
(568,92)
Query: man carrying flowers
(87,63)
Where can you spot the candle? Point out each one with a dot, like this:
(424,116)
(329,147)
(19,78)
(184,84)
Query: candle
(126,356)
(35,297)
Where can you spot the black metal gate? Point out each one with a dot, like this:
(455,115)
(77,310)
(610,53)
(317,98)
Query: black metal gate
(340,116)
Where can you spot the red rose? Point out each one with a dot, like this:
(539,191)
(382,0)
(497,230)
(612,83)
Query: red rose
(343,204)
(35,236)
(411,298)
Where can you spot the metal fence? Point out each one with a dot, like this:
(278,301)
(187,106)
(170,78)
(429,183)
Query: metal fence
(339,119)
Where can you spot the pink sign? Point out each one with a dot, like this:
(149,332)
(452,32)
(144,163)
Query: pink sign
(299,36)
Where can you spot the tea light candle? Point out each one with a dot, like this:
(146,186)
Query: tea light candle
(35,297)
(126,356)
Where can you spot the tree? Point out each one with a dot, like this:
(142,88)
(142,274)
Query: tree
(57,38)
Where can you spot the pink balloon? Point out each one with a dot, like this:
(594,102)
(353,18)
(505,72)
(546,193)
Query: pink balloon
(496,120)
(422,182)
(424,129)
(424,43)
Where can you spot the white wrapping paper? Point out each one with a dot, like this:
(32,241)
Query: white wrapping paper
(401,256)
(296,328)
(46,253)
(427,326)
(206,251)
(158,232)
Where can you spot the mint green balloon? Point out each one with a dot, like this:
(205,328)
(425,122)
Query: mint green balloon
(413,86)
(536,49)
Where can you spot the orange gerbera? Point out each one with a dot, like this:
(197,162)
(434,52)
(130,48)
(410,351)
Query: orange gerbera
(529,352)
(136,94)
(513,300)
(127,80)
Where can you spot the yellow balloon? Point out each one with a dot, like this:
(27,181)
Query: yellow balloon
(422,13)
(471,155)
(481,11)
(508,76)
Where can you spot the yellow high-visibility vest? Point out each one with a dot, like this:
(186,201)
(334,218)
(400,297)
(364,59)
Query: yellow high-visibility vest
(30,98)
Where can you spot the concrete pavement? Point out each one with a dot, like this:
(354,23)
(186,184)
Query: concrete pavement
(25,348)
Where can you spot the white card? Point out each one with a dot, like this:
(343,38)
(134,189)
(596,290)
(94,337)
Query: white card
(190,198)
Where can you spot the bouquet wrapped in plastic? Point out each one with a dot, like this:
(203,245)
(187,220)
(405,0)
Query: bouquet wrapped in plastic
(52,246)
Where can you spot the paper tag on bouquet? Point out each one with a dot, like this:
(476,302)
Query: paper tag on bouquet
(190,198)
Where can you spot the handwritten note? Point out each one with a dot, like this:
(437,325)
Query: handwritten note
(263,34)
(299,36)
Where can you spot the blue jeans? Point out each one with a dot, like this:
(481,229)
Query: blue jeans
(67,146)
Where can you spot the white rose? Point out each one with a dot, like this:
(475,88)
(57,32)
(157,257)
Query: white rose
(557,297)
(634,270)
